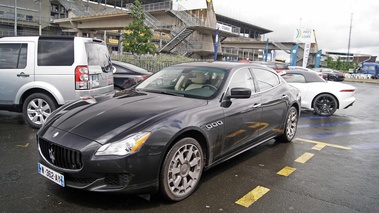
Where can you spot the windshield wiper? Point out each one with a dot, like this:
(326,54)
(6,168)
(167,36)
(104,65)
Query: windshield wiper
(172,93)
(161,92)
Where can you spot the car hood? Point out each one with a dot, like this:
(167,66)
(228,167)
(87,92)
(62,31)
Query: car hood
(102,120)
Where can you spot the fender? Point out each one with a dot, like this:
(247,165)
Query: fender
(40,85)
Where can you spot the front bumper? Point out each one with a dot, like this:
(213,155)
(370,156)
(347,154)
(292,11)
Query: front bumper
(136,173)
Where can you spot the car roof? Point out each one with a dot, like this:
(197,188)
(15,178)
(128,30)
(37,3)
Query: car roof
(129,67)
(225,65)
(309,76)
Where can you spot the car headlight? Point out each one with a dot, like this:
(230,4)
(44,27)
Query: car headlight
(130,144)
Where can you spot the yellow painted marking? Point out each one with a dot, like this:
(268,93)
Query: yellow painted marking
(322,143)
(318,147)
(252,196)
(304,158)
(256,125)
(286,171)
(24,146)
(236,133)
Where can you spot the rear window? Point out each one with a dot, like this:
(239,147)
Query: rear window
(55,52)
(13,56)
(98,54)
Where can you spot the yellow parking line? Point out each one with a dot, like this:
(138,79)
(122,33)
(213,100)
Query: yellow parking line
(252,196)
(304,158)
(323,144)
(286,171)
(318,147)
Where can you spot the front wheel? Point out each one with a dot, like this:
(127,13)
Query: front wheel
(36,108)
(325,105)
(290,126)
(182,169)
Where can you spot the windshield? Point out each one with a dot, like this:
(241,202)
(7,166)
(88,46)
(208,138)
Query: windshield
(197,82)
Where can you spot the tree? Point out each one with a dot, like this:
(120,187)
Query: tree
(137,35)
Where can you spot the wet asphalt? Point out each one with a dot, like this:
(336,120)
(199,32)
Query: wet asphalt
(331,166)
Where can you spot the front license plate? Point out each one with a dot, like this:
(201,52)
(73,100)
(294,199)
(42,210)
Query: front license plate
(51,174)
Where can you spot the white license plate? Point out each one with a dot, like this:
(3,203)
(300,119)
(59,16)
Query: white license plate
(51,174)
(95,81)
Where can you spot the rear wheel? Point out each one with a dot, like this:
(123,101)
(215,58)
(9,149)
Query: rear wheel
(36,108)
(325,105)
(291,126)
(182,169)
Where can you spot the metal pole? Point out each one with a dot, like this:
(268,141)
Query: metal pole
(348,46)
(40,10)
(15,17)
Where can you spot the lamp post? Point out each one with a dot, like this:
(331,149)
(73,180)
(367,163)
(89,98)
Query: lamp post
(39,24)
(15,17)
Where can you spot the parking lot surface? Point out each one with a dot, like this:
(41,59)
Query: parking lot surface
(331,166)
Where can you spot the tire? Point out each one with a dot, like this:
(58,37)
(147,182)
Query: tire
(290,126)
(181,170)
(325,105)
(36,108)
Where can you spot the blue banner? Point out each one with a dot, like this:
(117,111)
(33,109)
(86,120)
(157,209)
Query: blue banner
(266,51)
(293,55)
(216,44)
(318,58)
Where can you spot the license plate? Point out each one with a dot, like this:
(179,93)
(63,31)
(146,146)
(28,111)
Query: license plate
(51,174)
(95,81)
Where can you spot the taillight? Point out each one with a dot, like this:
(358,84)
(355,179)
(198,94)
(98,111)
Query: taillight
(145,77)
(81,78)
(348,90)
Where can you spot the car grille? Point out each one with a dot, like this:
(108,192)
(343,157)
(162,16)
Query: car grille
(60,156)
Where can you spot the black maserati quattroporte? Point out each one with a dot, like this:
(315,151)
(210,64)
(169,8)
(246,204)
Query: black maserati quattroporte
(160,136)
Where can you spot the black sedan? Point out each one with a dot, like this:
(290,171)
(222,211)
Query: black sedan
(331,74)
(127,76)
(162,135)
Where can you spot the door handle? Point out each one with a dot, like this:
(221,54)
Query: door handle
(22,74)
(256,106)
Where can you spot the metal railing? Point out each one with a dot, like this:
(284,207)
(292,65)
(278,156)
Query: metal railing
(188,18)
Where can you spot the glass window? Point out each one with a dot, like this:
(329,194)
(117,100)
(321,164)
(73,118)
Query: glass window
(294,78)
(266,79)
(98,54)
(55,52)
(13,56)
(189,81)
(242,78)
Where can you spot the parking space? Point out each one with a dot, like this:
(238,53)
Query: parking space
(331,166)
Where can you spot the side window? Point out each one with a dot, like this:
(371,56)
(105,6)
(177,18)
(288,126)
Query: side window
(242,78)
(13,56)
(55,52)
(266,79)
(294,78)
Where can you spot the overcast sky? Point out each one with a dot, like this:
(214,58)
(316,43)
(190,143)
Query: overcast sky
(329,18)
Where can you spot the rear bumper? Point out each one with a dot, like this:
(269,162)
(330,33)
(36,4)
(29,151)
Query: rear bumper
(101,91)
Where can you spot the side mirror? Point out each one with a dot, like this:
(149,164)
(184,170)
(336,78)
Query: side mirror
(240,92)
(237,92)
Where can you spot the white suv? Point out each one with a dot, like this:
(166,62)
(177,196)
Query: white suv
(40,73)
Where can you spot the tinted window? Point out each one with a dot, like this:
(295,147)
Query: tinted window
(266,79)
(294,78)
(13,56)
(242,78)
(98,54)
(55,52)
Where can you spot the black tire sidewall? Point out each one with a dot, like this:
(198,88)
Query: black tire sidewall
(284,137)
(164,188)
(45,97)
(318,97)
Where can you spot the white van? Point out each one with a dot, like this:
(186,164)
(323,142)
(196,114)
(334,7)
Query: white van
(40,73)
